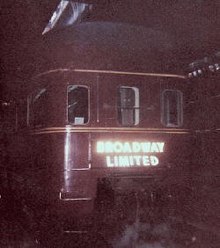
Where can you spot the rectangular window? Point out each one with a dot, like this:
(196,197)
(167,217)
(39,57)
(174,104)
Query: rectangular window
(128,106)
(172,108)
(22,114)
(78,104)
(8,116)
(38,108)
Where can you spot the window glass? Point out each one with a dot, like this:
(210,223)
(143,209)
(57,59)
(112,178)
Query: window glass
(37,108)
(78,101)
(128,106)
(172,112)
(8,116)
(22,114)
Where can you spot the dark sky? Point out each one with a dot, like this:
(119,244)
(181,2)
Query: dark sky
(22,22)
(194,24)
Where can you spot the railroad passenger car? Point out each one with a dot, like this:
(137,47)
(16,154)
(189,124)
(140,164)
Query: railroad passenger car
(100,122)
(87,125)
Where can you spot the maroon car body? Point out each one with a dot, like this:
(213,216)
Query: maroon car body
(85,126)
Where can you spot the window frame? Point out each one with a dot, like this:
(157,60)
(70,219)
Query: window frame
(136,107)
(29,102)
(67,105)
(22,104)
(179,109)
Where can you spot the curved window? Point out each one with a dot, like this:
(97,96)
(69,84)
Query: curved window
(22,114)
(78,104)
(128,106)
(172,108)
(38,108)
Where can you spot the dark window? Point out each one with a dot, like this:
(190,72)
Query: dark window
(37,108)
(8,116)
(22,114)
(128,106)
(78,104)
(172,108)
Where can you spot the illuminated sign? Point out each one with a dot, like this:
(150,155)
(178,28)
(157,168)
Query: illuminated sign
(130,154)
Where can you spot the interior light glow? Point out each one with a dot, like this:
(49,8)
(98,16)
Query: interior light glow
(67,156)
(129,147)
(130,154)
(130,161)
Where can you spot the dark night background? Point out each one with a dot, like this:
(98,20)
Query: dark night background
(195,26)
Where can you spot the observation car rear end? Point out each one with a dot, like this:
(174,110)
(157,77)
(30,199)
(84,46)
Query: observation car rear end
(90,131)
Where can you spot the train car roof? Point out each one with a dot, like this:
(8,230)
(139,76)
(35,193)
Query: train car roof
(114,46)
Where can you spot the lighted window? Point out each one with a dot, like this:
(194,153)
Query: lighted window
(38,108)
(78,104)
(128,106)
(172,108)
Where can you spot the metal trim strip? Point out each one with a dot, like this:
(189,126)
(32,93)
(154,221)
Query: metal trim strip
(99,131)
(74,199)
(108,130)
(151,74)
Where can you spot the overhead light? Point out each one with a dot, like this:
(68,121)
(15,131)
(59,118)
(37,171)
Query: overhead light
(206,66)
(67,13)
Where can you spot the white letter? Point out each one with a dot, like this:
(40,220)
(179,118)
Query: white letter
(118,147)
(108,147)
(161,146)
(127,147)
(154,160)
(136,147)
(116,161)
(123,161)
(131,160)
(137,158)
(109,162)
(146,161)
(154,147)
(100,147)
(145,146)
